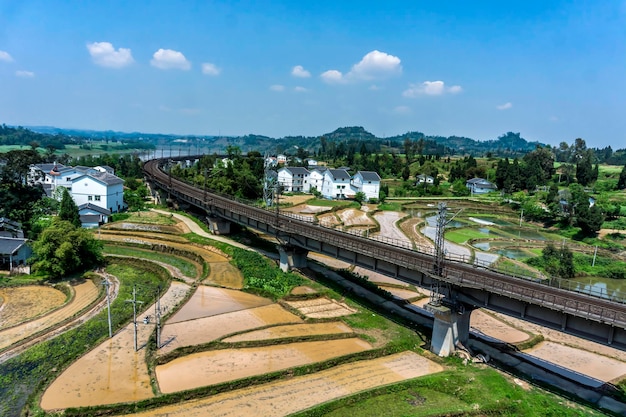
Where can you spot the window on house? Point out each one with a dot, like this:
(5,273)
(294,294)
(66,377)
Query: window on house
(89,198)
(97,198)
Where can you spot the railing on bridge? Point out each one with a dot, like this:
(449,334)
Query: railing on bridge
(565,284)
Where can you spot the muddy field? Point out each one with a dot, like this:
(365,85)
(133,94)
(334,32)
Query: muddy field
(42,299)
(214,367)
(112,372)
(21,304)
(299,393)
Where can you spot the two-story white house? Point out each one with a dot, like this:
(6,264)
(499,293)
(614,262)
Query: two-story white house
(336,184)
(367,182)
(294,179)
(316,178)
(100,189)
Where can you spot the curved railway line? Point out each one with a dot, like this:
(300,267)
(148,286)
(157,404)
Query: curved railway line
(467,278)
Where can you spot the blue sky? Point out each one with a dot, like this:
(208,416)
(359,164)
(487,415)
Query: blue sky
(551,70)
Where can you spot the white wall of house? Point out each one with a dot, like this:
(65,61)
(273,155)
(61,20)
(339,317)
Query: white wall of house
(371,188)
(316,179)
(296,180)
(87,189)
(336,184)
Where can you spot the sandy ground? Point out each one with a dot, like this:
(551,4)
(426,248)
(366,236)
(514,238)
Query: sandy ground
(292,330)
(85,293)
(112,372)
(286,397)
(25,303)
(213,367)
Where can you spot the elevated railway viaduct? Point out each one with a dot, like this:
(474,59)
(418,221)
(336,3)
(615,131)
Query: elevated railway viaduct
(468,287)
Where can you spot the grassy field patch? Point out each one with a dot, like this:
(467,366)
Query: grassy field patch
(187,268)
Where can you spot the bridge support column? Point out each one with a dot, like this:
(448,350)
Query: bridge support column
(291,257)
(218,226)
(449,329)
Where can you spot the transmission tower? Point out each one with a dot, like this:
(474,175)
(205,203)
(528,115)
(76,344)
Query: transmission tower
(440,254)
(268,181)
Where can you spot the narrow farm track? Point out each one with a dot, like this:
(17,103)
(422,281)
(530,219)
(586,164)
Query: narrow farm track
(18,338)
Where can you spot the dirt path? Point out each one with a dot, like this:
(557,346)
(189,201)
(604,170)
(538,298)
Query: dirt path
(112,372)
(389,229)
(286,397)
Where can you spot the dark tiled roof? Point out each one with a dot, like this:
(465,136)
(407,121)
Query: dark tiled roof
(341,174)
(9,245)
(90,218)
(369,175)
(297,170)
(93,207)
(104,177)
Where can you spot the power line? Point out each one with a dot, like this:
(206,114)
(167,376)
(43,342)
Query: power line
(135,302)
(107,284)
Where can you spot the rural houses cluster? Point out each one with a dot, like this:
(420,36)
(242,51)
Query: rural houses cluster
(330,183)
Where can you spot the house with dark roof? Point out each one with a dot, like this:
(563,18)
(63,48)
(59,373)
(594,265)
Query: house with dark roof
(9,228)
(480,186)
(294,179)
(336,184)
(14,252)
(367,182)
(100,189)
(92,215)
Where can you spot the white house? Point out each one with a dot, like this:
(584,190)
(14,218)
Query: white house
(367,182)
(316,179)
(336,184)
(480,186)
(101,189)
(281,159)
(294,179)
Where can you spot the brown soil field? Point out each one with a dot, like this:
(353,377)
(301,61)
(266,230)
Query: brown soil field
(321,308)
(211,301)
(286,397)
(403,293)
(388,227)
(85,294)
(292,330)
(225,275)
(208,329)
(112,372)
(303,290)
(25,303)
(213,367)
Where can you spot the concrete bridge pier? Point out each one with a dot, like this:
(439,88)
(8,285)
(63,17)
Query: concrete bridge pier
(218,226)
(449,329)
(291,257)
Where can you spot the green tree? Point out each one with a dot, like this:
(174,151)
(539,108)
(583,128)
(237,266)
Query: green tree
(68,210)
(621,183)
(360,197)
(62,249)
(589,219)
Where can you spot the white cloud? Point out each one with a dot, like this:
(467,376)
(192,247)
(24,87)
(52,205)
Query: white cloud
(105,55)
(300,72)
(299,89)
(505,106)
(5,56)
(430,88)
(210,69)
(24,74)
(375,65)
(170,59)
(332,77)
(277,87)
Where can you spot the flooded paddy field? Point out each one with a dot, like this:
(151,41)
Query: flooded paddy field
(214,367)
(292,330)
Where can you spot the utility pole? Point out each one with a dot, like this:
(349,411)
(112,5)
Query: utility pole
(107,284)
(595,252)
(134,301)
(204,193)
(157,315)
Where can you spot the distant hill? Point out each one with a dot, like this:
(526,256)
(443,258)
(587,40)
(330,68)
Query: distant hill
(509,144)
